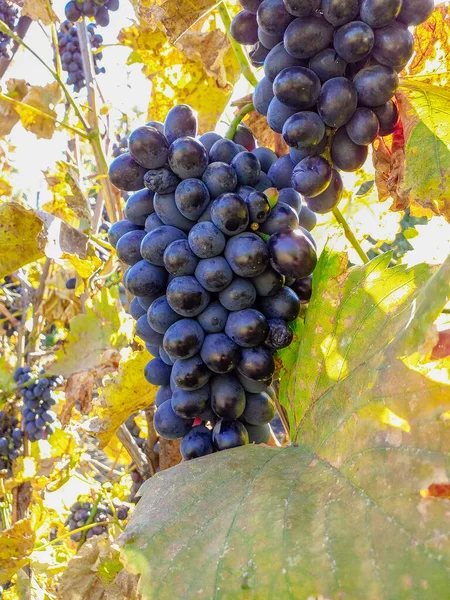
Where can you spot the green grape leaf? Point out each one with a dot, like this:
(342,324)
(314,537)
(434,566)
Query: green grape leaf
(351,510)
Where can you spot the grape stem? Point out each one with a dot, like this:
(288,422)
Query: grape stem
(89,521)
(246,69)
(350,235)
(248,108)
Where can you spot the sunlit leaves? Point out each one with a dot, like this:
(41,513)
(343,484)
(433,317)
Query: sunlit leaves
(39,10)
(432,54)
(44,99)
(69,202)
(17,89)
(16,544)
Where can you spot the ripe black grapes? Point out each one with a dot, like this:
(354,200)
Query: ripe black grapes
(212,302)
(9,15)
(97,9)
(11,439)
(82,511)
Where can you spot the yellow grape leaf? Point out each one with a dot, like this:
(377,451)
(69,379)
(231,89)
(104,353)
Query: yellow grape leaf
(88,265)
(16,544)
(122,396)
(40,10)
(42,98)
(116,452)
(432,54)
(178,79)
(68,203)
(175,16)
(25,468)
(20,237)
(6,376)
(104,326)
(17,89)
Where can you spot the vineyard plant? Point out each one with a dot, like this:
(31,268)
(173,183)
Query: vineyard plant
(224,300)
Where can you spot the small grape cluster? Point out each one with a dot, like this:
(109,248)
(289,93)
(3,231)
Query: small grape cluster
(97,9)
(81,511)
(9,15)
(219,264)
(38,398)
(330,73)
(120,146)
(69,49)
(11,439)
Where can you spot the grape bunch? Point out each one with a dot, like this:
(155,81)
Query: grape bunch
(219,264)
(98,9)
(80,512)
(11,439)
(9,15)
(38,398)
(69,49)
(330,73)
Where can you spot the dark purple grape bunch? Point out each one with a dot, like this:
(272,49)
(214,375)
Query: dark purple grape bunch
(330,74)
(39,397)
(9,14)
(11,440)
(69,49)
(96,9)
(219,264)
(81,512)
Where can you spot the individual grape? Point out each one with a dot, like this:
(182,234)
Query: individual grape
(264,183)
(297,87)
(257,55)
(328,65)
(126,174)
(415,12)
(186,296)
(168,424)
(183,339)
(153,349)
(196,443)
(208,139)
(256,363)
(229,213)
(128,247)
(354,41)
(303,288)
(394,45)
(304,129)
(223,150)
(266,157)
(330,198)
(119,229)
(387,115)
(167,211)
(155,243)
(268,283)
(337,102)
(247,254)
(152,222)
(282,305)
(311,176)
(214,274)
(147,301)
(247,328)
(277,60)
(378,13)
(180,121)
(279,334)
(363,127)
(206,240)
(190,374)
(144,279)
(157,372)
(281,217)
(263,95)
(136,310)
(307,219)
(244,28)
(258,434)
(340,12)
(187,158)
(213,319)
(165,357)
(160,316)
(292,254)
(298,154)
(148,147)
(259,409)
(258,207)
(179,258)
(72,11)
(375,85)
(147,333)
(268,40)
(113,5)
(305,37)
(238,295)
(281,171)
(247,168)
(89,8)
(138,206)
(252,386)
(220,353)
(272,17)
(229,434)
(220,178)
(302,8)
(277,115)
(244,137)
(164,393)
(290,197)
(161,180)
(244,191)
(227,396)
(345,154)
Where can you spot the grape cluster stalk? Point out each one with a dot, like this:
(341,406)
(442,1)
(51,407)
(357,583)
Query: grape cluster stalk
(219,262)
(9,14)
(80,515)
(11,440)
(96,9)
(69,50)
(330,74)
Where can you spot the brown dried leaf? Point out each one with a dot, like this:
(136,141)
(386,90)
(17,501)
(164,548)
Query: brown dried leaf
(9,117)
(40,10)
(69,202)
(209,49)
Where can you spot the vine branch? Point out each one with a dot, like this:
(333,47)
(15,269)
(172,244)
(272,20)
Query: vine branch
(350,235)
